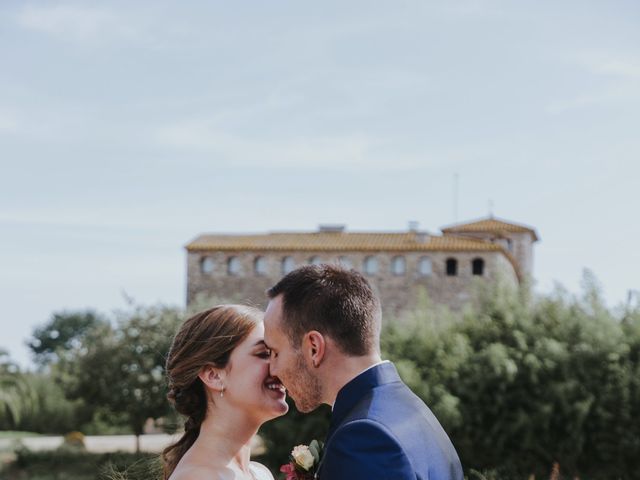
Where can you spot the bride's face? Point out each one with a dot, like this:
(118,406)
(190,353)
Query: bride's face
(248,383)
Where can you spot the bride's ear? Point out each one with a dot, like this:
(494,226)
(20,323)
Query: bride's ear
(315,346)
(212,377)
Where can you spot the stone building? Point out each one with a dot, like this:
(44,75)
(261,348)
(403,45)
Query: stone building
(241,267)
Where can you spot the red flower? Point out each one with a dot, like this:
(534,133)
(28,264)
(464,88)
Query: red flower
(290,471)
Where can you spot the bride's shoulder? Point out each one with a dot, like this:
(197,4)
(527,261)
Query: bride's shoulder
(192,473)
(261,472)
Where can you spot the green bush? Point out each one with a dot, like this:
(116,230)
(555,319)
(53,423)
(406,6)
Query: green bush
(74,464)
(49,411)
(284,433)
(522,383)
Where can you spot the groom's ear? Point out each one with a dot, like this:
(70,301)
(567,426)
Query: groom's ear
(315,346)
(212,377)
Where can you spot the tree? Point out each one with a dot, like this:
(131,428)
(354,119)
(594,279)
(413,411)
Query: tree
(520,383)
(64,336)
(122,369)
(16,394)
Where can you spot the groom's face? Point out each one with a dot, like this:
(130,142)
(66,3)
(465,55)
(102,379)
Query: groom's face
(287,363)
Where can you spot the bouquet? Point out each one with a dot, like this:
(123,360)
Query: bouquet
(303,461)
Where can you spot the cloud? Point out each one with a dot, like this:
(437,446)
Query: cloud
(40,124)
(200,137)
(78,22)
(620,73)
(615,65)
(343,151)
(94,217)
(8,122)
(610,96)
(136,26)
(482,8)
(612,64)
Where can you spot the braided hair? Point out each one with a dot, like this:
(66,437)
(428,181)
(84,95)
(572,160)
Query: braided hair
(207,338)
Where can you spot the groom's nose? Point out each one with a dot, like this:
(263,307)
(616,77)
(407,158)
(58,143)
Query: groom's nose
(272,367)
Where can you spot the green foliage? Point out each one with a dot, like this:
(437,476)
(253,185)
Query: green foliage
(49,411)
(16,395)
(284,433)
(111,372)
(521,383)
(122,370)
(75,464)
(64,336)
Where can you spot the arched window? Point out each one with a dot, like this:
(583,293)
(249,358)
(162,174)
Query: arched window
(233,266)
(345,262)
(398,265)
(260,266)
(288,264)
(477,266)
(207,265)
(315,260)
(452,267)
(424,267)
(371,265)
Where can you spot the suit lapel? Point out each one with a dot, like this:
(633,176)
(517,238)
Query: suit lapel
(349,395)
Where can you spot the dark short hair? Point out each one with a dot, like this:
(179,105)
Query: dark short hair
(334,301)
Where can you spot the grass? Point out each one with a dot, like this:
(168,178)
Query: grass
(74,464)
(11,434)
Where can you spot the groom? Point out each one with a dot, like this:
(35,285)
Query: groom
(322,325)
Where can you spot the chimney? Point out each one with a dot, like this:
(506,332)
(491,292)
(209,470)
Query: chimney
(332,228)
(420,237)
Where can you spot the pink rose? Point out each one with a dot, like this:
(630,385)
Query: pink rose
(290,471)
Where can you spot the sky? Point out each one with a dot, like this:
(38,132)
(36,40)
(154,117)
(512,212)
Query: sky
(128,128)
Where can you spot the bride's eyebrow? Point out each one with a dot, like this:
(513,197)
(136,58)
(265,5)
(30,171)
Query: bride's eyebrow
(260,343)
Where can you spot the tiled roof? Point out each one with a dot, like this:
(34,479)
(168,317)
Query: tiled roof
(340,241)
(490,225)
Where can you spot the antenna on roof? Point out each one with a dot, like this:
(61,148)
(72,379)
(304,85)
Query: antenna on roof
(455,196)
(490,208)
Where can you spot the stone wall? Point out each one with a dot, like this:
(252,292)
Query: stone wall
(522,250)
(396,291)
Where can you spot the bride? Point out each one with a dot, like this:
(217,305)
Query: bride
(218,374)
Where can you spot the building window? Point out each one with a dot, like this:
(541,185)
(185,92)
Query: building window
(371,265)
(477,266)
(315,261)
(509,244)
(398,265)
(345,262)
(424,267)
(233,266)
(288,264)
(207,265)
(260,266)
(452,267)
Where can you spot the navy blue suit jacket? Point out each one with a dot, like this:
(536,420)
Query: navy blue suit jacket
(381,430)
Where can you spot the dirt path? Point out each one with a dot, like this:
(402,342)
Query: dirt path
(154,443)
(97,443)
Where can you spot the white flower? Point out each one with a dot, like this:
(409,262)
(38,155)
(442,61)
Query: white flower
(303,456)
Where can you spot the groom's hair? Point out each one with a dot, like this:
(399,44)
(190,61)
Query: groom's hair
(336,302)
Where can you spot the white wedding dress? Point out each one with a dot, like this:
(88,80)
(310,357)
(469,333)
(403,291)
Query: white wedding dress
(260,472)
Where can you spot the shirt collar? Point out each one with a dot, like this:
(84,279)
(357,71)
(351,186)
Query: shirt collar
(365,370)
(349,395)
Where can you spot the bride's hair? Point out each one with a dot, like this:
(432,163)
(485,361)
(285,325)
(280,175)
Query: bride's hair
(207,338)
